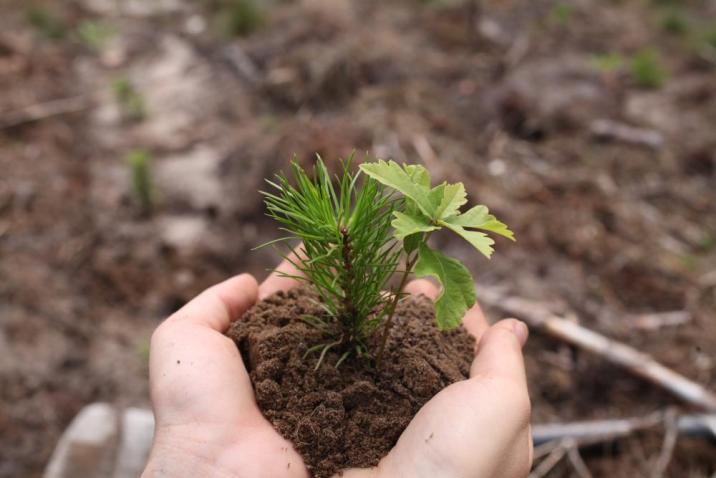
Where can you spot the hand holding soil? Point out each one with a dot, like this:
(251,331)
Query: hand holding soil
(208,422)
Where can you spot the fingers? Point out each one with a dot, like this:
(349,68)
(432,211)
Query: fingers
(495,398)
(475,323)
(424,287)
(277,281)
(499,351)
(221,304)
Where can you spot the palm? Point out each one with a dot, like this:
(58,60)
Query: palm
(223,405)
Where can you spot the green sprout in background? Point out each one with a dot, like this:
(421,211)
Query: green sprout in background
(647,69)
(139,163)
(675,22)
(562,13)
(607,62)
(94,35)
(710,36)
(130,101)
(46,23)
(355,237)
(240,17)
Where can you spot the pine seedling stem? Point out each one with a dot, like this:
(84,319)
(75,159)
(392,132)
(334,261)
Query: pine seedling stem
(349,309)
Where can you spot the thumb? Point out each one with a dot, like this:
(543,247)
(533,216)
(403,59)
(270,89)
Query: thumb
(499,352)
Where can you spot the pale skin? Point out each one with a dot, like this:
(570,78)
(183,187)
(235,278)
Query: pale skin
(208,423)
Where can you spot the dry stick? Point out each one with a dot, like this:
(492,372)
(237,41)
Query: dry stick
(42,111)
(537,316)
(552,459)
(547,436)
(671,423)
(575,459)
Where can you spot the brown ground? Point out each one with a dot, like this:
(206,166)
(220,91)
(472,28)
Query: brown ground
(607,229)
(352,416)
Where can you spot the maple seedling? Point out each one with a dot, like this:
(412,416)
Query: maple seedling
(355,236)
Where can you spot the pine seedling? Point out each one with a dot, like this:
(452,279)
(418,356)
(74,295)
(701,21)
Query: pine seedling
(142,187)
(241,17)
(130,101)
(675,22)
(94,35)
(562,13)
(354,237)
(46,23)
(348,251)
(647,70)
(607,63)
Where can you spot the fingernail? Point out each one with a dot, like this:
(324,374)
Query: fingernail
(520,330)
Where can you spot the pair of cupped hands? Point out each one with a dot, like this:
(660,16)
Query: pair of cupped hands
(208,423)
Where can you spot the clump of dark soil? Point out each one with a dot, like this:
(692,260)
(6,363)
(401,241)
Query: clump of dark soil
(350,416)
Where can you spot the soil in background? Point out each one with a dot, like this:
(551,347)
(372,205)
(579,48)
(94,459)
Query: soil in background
(351,416)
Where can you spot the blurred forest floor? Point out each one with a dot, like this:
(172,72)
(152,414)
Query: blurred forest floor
(588,126)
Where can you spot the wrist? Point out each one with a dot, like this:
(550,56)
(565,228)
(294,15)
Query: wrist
(180,457)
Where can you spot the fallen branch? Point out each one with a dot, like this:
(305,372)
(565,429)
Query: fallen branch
(546,436)
(667,450)
(538,317)
(659,320)
(575,458)
(42,111)
(556,452)
(554,457)
(605,129)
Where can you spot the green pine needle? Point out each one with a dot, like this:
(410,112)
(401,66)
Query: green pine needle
(348,251)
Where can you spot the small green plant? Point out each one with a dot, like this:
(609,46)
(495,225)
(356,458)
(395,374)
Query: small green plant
(46,23)
(94,35)
(130,101)
(240,17)
(139,163)
(562,13)
(709,36)
(608,62)
(675,22)
(356,235)
(647,70)
(142,348)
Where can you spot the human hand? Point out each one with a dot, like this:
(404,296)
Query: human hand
(208,423)
(476,428)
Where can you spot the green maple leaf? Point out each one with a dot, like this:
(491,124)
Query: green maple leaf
(418,174)
(453,197)
(410,181)
(479,217)
(458,289)
(479,240)
(406,224)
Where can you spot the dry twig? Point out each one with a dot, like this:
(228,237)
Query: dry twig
(589,432)
(539,317)
(612,130)
(671,423)
(555,456)
(659,320)
(42,111)
(547,436)
(575,459)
